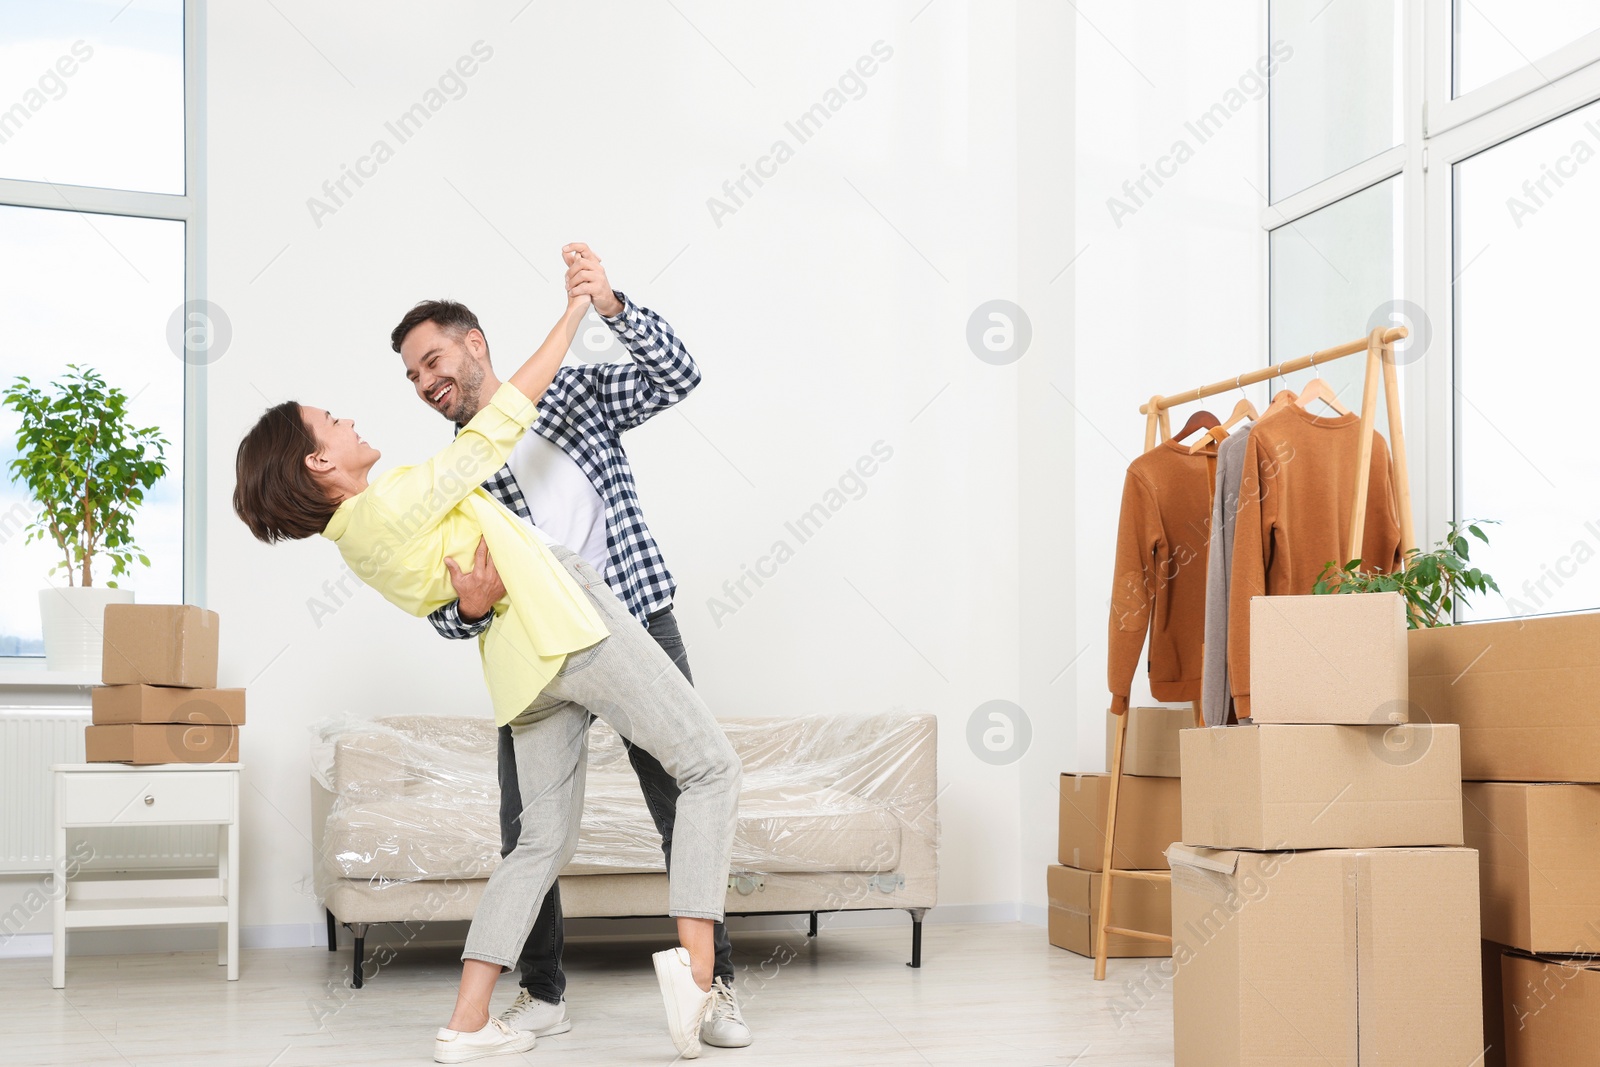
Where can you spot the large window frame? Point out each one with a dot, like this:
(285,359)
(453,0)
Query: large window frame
(189,209)
(1438,131)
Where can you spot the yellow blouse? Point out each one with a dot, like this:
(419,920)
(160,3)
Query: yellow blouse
(396,533)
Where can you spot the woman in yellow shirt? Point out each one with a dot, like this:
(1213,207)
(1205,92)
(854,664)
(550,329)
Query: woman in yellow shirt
(561,647)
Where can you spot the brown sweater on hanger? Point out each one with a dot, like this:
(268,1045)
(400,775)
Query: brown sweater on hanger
(1294,514)
(1160,582)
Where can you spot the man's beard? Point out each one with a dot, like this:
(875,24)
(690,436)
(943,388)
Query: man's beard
(469,386)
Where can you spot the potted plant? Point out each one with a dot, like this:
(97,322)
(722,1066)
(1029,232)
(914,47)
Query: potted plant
(87,468)
(1433,582)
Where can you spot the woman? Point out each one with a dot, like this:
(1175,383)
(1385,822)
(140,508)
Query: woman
(560,648)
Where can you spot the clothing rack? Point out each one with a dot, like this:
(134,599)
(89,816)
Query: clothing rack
(1379,347)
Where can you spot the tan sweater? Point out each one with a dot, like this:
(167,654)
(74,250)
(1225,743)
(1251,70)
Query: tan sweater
(1160,582)
(1294,514)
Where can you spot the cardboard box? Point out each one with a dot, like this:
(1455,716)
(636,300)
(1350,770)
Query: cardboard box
(1074,897)
(1540,868)
(1494,1005)
(1150,817)
(1286,787)
(160,644)
(1525,692)
(152,703)
(143,743)
(1552,1016)
(1328,659)
(1340,957)
(1150,747)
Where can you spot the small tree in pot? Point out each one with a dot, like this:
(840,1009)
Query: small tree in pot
(87,467)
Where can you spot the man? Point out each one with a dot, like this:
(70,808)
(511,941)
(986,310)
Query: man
(570,478)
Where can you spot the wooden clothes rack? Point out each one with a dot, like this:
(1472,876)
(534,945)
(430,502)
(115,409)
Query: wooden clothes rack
(1379,347)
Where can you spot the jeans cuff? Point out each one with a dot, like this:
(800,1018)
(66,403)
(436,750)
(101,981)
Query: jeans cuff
(508,964)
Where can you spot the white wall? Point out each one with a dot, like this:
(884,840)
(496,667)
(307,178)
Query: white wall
(1172,298)
(1048,35)
(828,312)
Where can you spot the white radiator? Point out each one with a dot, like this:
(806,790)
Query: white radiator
(31,739)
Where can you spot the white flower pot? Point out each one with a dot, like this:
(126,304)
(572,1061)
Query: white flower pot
(72,620)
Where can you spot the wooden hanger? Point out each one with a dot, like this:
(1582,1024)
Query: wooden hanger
(1242,410)
(1200,420)
(1283,397)
(1317,389)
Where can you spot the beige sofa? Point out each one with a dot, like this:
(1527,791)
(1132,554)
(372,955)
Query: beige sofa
(836,814)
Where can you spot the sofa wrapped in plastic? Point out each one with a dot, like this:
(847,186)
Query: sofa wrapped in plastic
(836,813)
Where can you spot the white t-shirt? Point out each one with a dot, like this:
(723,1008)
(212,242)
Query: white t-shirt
(563,502)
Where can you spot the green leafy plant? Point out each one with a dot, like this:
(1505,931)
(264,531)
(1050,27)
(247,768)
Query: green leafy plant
(86,467)
(1433,583)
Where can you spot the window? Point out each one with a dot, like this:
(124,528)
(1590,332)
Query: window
(1524,214)
(1335,101)
(93,94)
(1468,210)
(1494,38)
(1330,270)
(99,232)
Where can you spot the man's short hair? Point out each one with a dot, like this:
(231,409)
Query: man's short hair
(445,314)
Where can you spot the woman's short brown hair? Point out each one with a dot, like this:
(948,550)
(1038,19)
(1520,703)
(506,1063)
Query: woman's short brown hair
(275,492)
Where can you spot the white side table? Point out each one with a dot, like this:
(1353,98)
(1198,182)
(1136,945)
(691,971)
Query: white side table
(170,794)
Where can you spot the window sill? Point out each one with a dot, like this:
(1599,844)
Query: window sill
(16,672)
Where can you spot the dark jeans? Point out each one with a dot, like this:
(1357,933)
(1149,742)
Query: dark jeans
(540,961)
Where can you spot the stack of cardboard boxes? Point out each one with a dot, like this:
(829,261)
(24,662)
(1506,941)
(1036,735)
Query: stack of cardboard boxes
(1147,822)
(1525,695)
(1323,909)
(159,702)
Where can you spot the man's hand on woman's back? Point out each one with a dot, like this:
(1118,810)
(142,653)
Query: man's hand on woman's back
(478,589)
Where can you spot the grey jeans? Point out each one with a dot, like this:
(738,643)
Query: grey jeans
(627,680)
(540,962)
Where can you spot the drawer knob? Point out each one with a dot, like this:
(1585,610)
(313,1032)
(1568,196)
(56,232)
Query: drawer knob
(149,801)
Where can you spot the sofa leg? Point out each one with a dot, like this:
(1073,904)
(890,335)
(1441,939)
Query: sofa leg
(333,931)
(916,936)
(360,932)
(813,931)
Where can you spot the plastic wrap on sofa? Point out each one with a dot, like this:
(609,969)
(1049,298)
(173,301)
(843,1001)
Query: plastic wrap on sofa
(416,799)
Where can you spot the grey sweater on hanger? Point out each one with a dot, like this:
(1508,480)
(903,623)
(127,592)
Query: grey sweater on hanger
(1216,697)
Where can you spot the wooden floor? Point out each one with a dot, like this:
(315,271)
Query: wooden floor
(986,994)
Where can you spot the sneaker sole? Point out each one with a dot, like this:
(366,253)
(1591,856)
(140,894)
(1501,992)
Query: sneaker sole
(559,1028)
(688,1045)
(509,1048)
(735,1043)
(549,1031)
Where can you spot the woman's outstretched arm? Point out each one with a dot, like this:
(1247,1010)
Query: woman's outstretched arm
(413,500)
(534,377)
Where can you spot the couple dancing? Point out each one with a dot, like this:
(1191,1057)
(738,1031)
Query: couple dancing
(520,539)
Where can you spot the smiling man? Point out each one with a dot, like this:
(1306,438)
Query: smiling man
(570,479)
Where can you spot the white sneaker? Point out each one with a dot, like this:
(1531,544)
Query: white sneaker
(686,1001)
(724,1026)
(496,1038)
(538,1017)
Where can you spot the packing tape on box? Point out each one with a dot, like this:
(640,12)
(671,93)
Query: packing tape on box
(1204,873)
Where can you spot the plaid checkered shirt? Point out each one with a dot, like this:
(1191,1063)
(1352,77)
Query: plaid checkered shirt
(584,413)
